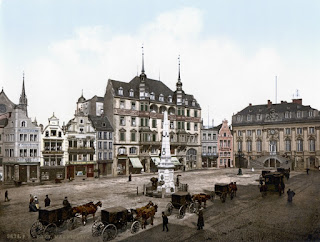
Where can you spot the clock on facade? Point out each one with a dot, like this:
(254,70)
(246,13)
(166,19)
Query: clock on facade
(3,108)
(272,131)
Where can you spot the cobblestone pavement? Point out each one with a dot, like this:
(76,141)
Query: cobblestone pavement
(248,217)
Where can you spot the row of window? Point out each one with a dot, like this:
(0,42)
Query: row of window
(153,108)
(105,145)
(80,157)
(22,137)
(211,149)
(105,135)
(209,137)
(22,152)
(82,144)
(52,160)
(105,155)
(53,133)
(287,115)
(225,154)
(152,96)
(288,143)
(311,130)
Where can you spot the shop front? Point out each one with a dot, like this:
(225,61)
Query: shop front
(21,173)
(135,166)
(80,170)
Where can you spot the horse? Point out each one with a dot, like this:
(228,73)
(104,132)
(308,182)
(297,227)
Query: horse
(202,197)
(139,211)
(85,210)
(234,188)
(148,213)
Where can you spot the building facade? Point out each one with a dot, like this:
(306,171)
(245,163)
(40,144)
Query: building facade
(273,135)
(135,110)
(21,138)
(53,149)
(225,146)
(81,144)
(209,141)
(104,144)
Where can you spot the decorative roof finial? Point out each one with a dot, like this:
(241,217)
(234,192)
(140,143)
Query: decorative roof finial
(142,71)
(179,68)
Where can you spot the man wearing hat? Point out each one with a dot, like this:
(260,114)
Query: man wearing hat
(47,201)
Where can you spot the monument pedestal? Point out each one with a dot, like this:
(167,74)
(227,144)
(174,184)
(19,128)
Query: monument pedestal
(166,180)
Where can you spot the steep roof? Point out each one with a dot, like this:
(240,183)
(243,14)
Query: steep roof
(100,123)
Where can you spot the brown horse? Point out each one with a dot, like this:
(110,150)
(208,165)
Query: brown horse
(148,213)
(140,210)
(202,197)
(85,210)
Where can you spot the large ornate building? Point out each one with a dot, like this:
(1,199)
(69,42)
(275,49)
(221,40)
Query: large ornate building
(135,110)
(282,134)
(20,141)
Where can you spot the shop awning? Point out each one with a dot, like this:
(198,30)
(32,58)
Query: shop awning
(135,162)
(156,160)
(175,161)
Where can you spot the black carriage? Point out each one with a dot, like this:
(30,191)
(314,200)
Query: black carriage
(50,219)
(272,181)
(182,201)
(114,219)
(222,190)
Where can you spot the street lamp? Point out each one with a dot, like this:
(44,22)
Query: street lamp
(240,154)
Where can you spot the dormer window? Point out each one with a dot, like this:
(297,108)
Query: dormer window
(311,113)
(152,95)
(161,98)
(120,91)
(131,93)
(259,116)
(287,114)
(248,117)
(299,114)
(186,102)
(239,118)
(193,103)
(170,99)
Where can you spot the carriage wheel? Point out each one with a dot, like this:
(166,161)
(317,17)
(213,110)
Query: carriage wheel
(182,212)
(50,231)
(109,232)
(135,227)
(169,208)
(97,228)
(72,223)
(36,229)
(192,208)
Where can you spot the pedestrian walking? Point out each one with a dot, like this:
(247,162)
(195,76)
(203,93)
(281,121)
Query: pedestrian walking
(164,222)
(47,201)
(290,195)
(200,220)
(6,198)
(130,177)
(308,171)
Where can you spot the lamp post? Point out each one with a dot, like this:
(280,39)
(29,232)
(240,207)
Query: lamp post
(239,159)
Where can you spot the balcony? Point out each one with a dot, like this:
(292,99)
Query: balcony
(209,154)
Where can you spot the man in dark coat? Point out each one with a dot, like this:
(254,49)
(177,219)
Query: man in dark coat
(164,222)
(290,195)
(66,202)
(6,198)
(200,220)
(47,201)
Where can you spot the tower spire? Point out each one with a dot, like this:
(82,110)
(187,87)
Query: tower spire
(142,70)
(179,68)
(179,83)
(23,101)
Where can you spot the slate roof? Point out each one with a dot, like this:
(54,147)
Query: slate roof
(155,86)
(100,123)
(279,110)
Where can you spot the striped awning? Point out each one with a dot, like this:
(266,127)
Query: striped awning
(135,162)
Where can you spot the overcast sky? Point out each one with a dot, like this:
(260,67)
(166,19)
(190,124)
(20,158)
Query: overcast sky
(230,51)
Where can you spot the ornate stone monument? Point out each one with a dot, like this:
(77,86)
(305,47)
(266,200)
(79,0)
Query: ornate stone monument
(166,167)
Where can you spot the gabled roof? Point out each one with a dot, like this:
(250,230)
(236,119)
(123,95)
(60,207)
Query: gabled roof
(100,123)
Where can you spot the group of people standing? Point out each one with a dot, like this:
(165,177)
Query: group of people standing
(34,203)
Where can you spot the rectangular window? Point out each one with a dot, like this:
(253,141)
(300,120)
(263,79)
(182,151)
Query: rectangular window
(110,155)
(105,135)
(195,113)
(300,145)
(100,135)
(209,136)
(179,125)
(154,137)
(288,145)
(133,121)
(239,146)
(188,113)
(195,127)
(259,146)
(312,145)
(311,130)
(249,132)
(133,136)
(105,145)
(99,145)
(299,130)
(171,125)
(133,105)
(122,137)
(299,114)
(154,123)
(188,126)
(239,133)
(122,121)
(110,135)
(100,156)
(141,106)
(248,117)
(110,145)
(122,104)
(288,131)
(259,117)
(204,137)
(259,132)
(249,146)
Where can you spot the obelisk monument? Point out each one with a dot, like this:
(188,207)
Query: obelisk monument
(166,167)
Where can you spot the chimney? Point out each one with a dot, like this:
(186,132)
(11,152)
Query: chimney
(269,103)
(250,104)
(297,101)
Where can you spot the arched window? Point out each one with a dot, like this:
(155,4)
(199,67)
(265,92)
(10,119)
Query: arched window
(23,124)
(191,155)
(120,91)
(122,151)
(131,93)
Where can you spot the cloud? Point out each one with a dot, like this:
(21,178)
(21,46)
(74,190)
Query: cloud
(221,75)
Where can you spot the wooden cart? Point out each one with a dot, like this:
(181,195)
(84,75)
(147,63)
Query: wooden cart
(222,190)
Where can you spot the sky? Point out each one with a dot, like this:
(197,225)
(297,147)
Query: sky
(231,51)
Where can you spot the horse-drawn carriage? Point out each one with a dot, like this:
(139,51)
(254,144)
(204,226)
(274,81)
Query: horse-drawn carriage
(223,189)
(284,171)
(182,201)
(50,219)
(274,182)
(116,219)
